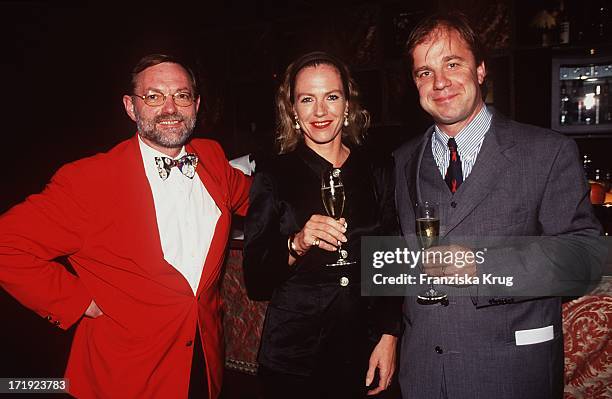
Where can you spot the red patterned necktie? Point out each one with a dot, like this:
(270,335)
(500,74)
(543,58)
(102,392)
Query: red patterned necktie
(454,174)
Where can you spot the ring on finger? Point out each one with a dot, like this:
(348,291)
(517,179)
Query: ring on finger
(316,242)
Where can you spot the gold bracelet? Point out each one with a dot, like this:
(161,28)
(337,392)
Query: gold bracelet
(291,247)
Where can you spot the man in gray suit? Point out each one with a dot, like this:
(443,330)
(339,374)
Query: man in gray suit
(490,177)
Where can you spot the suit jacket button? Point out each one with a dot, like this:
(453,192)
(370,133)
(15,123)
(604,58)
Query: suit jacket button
(438,350)
(56,322)
(189,343)
(344,281)
(453,204)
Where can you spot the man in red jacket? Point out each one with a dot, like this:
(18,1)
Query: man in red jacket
(145,227)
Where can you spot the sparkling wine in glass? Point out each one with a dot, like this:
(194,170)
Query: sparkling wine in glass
(333,197)
(428,231)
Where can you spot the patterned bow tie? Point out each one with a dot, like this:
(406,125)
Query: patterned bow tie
(186,164)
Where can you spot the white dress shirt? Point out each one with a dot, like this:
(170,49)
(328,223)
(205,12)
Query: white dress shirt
(186,216)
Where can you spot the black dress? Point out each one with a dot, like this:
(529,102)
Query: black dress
(319,331)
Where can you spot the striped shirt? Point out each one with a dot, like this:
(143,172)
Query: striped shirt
(469,140)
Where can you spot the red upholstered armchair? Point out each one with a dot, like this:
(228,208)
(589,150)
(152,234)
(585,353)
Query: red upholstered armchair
(587,332)
(242,319)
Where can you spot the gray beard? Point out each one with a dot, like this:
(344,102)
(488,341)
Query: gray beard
(169,139)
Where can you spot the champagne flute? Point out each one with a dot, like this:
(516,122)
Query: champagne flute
(428,230)
(332,194)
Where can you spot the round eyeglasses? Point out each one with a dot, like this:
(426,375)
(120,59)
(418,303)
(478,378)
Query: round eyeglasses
(156,99)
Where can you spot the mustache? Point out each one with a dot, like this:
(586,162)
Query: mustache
(168,117)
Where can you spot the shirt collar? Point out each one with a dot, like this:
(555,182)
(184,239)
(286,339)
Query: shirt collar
(470,137)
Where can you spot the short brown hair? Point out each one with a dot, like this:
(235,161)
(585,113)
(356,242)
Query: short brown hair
(440,22)
(287,136)
(155,59)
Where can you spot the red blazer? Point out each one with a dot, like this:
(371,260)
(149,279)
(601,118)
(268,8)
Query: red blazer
(99,211)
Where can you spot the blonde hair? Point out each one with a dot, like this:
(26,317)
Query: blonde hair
(287,137)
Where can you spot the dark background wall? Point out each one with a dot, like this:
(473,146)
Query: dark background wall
(65,68)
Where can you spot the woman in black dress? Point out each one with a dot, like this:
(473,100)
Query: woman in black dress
(321,338)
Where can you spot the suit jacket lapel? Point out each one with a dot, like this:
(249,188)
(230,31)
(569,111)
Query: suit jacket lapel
(135,217)
(412,169)
(407,159)
(490,164)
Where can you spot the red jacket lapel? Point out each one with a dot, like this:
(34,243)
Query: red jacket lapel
(134,212)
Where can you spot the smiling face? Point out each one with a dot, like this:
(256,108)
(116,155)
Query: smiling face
(320,104)
(448,80)
(166,127)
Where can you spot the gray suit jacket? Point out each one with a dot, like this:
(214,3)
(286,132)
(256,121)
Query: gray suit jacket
(527,181)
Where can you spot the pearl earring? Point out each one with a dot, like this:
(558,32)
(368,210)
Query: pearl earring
(297,123)
(346,122)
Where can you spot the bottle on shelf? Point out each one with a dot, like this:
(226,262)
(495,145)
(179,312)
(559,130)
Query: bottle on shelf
(579,97)
(564,99)
(563,24)
(572,104)
(597,104)
(590,111)
(604,103)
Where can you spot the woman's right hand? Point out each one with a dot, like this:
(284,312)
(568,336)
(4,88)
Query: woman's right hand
(321,231)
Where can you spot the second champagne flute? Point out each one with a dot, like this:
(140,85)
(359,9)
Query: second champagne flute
(428,230)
